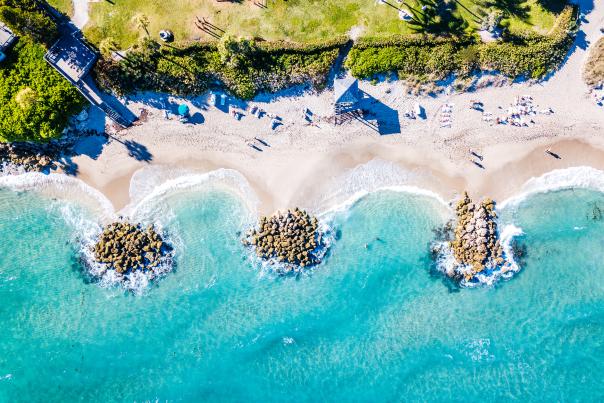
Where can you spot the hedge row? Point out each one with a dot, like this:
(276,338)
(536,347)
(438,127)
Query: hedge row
(193,68)
(426,57)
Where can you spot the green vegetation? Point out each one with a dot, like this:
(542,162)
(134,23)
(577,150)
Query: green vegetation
(437,39)
(35,101)
(594,68)
(25,17)
(245,67)
(66,6)
(432,58)
(304,21)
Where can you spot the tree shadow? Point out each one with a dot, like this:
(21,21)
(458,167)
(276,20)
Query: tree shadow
(138,151)
(437,17)
(196,119)
(512,8)
(135,149)
(91,146)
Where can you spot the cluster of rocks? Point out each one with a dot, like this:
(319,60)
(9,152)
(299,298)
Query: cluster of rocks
(30,156)
(40,157)
(125,248)
(292,238)
(476,243)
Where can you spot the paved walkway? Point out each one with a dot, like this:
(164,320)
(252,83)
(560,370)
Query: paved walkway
(80,13)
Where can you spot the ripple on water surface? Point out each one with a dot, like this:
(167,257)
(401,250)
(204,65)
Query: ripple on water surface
(371,323)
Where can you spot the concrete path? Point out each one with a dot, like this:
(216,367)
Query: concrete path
(80,13)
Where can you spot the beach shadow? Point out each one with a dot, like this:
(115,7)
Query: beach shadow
(91,146)
(386,118)
(138,151)
(68,166)
(196,119)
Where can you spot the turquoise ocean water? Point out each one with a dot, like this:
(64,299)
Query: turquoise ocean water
(375,323)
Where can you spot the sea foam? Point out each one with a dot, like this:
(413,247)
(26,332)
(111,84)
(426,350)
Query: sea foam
(373,176)
(559,179)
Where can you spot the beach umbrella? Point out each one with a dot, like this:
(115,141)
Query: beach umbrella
(183,110)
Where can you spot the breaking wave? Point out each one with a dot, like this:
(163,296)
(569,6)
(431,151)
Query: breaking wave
(152,187)
(560,179)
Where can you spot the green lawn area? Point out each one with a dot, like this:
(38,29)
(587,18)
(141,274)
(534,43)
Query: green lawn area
(292,20)
(65,6)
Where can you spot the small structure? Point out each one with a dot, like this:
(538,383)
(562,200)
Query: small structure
(347,97)
(346,94)
(7,38)
(71,57)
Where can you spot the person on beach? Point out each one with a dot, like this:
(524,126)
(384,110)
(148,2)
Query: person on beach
(553,154)
(475,154)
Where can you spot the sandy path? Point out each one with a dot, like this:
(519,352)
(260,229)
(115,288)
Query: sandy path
(306,165)
(80,13)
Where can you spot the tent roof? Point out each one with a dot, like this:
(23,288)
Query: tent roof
(346,90)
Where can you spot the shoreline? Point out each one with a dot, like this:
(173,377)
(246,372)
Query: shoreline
(318,163)
(279,185)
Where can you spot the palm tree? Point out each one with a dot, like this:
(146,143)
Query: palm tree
(107,47)
(142,22)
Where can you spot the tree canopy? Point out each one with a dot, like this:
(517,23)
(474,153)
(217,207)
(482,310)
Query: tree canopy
(35,101)
(27,18)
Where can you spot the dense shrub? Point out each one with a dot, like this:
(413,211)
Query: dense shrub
(532,55)
(593,72)
(243,67)
(26,17)
(35,101)
(434,58)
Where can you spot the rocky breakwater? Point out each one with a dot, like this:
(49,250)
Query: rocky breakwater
(30,156)
(126,248)
(293,239)
(475,245)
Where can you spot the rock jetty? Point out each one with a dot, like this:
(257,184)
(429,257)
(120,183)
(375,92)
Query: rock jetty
(39,156)
(476,244)
(31,156)
(292,238)
(126,248)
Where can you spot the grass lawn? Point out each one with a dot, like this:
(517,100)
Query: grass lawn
(293,20)
(65,6)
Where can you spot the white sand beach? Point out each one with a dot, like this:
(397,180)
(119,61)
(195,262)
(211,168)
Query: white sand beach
(303,161)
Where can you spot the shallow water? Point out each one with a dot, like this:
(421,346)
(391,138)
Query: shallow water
(373,323)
